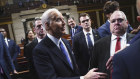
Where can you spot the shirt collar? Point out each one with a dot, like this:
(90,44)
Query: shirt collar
(113,37)
(87,32)
(39,39)
(55,40)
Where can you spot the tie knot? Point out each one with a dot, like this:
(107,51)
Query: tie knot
(88,33)
(118,38)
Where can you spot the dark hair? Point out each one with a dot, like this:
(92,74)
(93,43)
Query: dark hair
(36,19)
(83,15)
(71,18)
(26,36)
(110,7)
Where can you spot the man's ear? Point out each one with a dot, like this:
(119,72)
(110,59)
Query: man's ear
(80,24)
(47,25)
(33,29)
(138,18)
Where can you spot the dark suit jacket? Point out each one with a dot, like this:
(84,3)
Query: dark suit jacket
(13,49)
(50,62)
(77,29)
(5,58)
(101,53)
(126,64)
(104,30)
(81,50)
(28,54)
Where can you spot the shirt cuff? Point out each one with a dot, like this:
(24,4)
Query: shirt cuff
(81,77)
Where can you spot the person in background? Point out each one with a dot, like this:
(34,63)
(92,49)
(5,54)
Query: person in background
(83,43)
(12,46)
(53,58)
(5,60)
(29,37)
(108,9)
(74,28)
(126,62)
(40,34)
(105,48)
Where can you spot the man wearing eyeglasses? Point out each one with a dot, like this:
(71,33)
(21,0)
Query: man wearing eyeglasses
(105,48)
(40,33)
(83,43)
(108,9)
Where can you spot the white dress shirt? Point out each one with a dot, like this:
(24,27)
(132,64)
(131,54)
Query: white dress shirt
(123,42)
(38,39)
(91,36)
(6,41)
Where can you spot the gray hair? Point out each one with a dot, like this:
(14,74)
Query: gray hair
(125,18)
(47,15)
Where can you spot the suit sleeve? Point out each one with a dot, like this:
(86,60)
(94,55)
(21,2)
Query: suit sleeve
(8,58)
(119,68)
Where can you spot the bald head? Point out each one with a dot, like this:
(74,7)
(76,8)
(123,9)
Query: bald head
(138,6)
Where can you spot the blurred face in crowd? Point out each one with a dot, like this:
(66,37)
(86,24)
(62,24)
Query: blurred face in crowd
(56,26)
(3,32)
(71,23)
(118,23)
(138,6)
(85,22)
(39,29)
(30,35)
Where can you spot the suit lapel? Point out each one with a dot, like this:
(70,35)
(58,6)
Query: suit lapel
(107,47)
(56,50)
(83,39)
(95,35)
(129,37)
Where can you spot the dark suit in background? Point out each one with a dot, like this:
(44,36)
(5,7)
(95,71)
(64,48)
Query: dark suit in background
(5,59)
(77,29)
(50,62)
(14,51)
(81,50)
(28,54)
(101,53)
(126,64)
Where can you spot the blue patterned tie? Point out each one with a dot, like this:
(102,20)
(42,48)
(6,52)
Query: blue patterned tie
(65,54)
(72,32)
(90,45)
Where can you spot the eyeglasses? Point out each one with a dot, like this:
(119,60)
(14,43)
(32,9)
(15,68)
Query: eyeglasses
(119,20)
(85,20)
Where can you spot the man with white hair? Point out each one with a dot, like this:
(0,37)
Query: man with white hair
(53,58)
(126,63)
(105,48)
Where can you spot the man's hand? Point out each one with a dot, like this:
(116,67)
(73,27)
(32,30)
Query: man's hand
(15,72)
(92,74)
(109,63)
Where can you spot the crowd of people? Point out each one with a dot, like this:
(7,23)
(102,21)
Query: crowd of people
(110,52)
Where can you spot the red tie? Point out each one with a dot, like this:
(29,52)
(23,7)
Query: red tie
(118,44)
(118,47)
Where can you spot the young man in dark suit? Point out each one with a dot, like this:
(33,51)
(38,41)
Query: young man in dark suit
(53,56)
(126,63)
(105,48)
(81,46)
(5,60)
(40,33)
(74,28)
